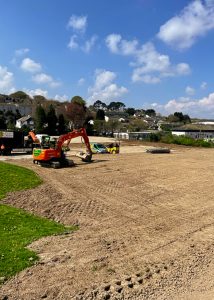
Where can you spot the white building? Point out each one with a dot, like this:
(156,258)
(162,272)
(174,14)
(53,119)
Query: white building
(26,120)
(22,108)
(141,135)
(195,134)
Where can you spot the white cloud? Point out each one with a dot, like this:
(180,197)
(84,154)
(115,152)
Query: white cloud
(77,41)
(21,52)
(73,44)
(183,69)
(81,81)
(203,108)
(6,80)
(104,88)
(77,23)
(116,44)
(151,60)
(179,105)
(150,66)
(194,21)
(103,78)
(190,91)
(43,78)
(61,98)
(36,92)
(18,53)
(112,42)
(203,85)
(129,47)
(30,65)
(89,44)
(137,76)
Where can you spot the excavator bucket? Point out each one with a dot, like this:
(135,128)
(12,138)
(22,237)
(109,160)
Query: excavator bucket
(84,156)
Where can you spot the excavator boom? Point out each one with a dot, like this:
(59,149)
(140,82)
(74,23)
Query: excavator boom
(34,137)
(71,135)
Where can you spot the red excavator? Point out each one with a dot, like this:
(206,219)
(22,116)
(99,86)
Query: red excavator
(51,153)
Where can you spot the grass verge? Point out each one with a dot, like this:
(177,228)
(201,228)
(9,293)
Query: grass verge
(18,228)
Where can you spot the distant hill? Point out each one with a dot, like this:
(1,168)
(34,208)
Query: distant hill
(16,98)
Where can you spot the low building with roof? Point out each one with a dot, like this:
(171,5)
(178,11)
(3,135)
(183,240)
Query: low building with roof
(204,134)
(26,120)
(136,135)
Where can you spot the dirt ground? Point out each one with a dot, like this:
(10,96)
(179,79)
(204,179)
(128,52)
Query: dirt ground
(146,228)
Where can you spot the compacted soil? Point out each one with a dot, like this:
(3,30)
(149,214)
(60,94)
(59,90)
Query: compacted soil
(146,228)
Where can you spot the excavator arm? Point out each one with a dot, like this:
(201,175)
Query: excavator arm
(34,137)
(71,135)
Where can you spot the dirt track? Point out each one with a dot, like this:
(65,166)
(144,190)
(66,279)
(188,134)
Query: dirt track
(146,229)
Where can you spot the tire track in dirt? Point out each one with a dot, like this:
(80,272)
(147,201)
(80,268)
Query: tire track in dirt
(134,215)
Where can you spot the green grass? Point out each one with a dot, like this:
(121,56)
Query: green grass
(18,228)
(14,178)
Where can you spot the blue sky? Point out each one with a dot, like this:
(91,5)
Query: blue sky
(145,53)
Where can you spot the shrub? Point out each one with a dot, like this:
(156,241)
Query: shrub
(186,141)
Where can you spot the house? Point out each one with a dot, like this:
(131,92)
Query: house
(23,109)
(26,120)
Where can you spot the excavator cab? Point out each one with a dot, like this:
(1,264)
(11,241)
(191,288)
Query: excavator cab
(45,142)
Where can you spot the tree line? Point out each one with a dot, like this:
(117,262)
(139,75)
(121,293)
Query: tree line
(56,118)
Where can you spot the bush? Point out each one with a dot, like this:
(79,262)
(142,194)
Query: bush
(154,137)
(186,141)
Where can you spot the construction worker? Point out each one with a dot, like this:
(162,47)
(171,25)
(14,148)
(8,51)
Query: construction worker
(2,148)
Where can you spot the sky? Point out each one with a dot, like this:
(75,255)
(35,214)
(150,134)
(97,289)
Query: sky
(144,53)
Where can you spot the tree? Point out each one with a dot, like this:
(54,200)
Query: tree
(25,129)
(61,124)
(116,106)
(78,100)
(99,126)
(150,112)
(100,115)
(89,125)
(51,121)
(182,118)
(173,118)
(76,111)
(17,115)
(38,99)
(179,115)
(2,122)
(40,119)
(10,119)
(131,111)
(112,125)
(99,105)
(19,95)
(137,125)
(187,119)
